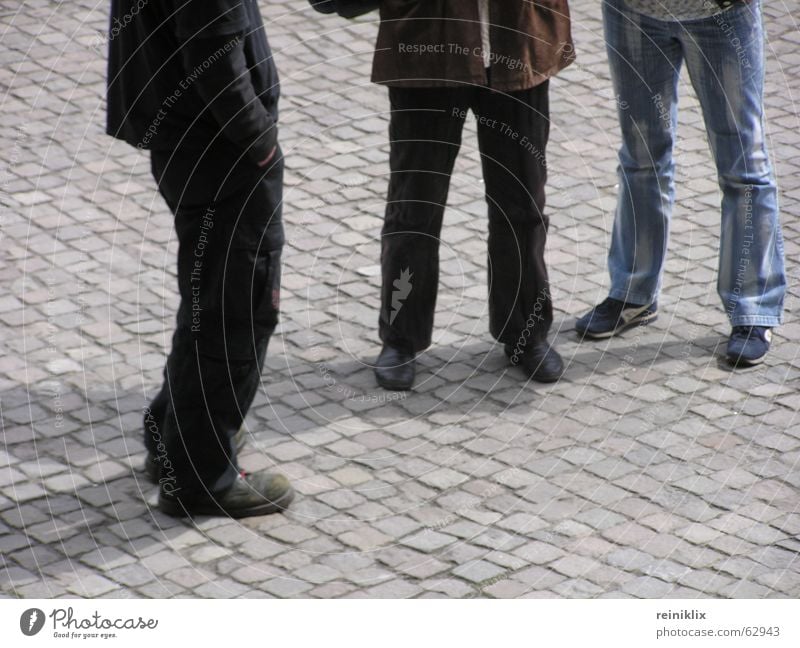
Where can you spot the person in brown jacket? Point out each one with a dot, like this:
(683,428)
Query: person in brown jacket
(440,59)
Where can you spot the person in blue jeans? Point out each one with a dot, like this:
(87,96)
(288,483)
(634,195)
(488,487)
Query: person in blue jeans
(721,43)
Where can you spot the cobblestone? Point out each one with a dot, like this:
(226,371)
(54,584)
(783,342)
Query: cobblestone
(651,470)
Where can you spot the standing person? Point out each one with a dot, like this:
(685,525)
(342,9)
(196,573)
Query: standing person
(440,59)
(722,44)
(194,82)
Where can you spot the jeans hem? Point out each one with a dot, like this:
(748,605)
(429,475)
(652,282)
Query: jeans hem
(757,320)
(632,298)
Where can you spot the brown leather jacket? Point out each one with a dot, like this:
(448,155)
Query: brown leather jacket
(424,43)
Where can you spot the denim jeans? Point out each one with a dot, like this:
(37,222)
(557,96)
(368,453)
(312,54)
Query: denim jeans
(724,55)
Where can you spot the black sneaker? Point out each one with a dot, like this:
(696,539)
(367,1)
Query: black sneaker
(613,316)
(152,464)
(252,494)
(748,345)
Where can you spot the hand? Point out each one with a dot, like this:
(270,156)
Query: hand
(268,159)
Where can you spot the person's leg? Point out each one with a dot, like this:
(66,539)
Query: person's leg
(425,135)
(645,60)
(229,277)
(725,59)
(153,421)
(513,129)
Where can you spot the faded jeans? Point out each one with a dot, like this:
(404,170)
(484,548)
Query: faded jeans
(724,55)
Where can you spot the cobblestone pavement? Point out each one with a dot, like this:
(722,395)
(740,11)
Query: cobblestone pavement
(650,470)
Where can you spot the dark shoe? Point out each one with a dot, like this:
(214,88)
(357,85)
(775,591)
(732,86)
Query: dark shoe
(612,317)
(539,360)
(395,369)
(152,465)
(258,493)
(748,345)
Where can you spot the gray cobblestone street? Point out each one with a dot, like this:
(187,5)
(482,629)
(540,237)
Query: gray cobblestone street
(650,470)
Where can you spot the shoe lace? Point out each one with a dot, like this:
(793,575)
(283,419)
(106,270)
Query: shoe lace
(609,306)
(746,332)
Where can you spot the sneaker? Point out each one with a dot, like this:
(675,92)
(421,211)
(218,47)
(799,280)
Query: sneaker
(252,494)
(152,463)
(748,345)
(612,317)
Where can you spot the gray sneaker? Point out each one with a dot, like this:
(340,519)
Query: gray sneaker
(252,494)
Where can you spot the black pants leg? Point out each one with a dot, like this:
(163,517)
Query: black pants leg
(512,134)
(230,234)
(425,135)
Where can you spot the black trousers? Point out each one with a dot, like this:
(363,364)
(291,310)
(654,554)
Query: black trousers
(425,133)
(230,234)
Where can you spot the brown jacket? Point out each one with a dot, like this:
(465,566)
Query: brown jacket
(438,43)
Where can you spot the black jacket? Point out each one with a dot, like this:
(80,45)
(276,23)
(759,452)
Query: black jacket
(184,73)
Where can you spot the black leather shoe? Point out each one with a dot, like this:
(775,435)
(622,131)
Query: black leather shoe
(395,369)
(252,494)
(538,359)
(152,465)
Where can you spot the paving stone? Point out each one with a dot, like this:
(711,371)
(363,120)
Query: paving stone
(396,526)
(107,558)
(705,581)
(189,577)
(651,470)
(666,570)
(538,578)
(291,533)
(577,588)
(573,566)
(365,539)
(762,535)
(92,586)
(479,571)
(648,587)
(331,590)
(131,575)
(394,589)
(162,562)
(428,540)
(317,574)
(746,590)
(9,543)
(351,476)
(539,553)
(422,569)
(450,587)
(506,589)
(292,560)
(220,588)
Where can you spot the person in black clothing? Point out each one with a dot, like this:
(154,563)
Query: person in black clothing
(193,82)
(440,59)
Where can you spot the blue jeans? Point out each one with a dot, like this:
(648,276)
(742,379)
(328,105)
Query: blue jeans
(724,55)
